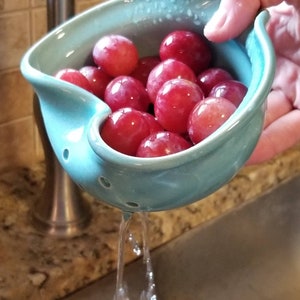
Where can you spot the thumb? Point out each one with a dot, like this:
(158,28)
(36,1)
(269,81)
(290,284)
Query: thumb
(231,19)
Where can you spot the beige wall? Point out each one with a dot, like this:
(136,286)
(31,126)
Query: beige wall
(22,22)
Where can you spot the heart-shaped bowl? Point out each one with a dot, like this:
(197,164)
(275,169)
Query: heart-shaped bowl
(73,116)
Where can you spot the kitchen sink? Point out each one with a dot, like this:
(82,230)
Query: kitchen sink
(251,253)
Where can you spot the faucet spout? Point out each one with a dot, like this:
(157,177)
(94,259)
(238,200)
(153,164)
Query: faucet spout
(59,11)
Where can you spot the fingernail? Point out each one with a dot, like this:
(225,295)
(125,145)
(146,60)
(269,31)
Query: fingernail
(215,23)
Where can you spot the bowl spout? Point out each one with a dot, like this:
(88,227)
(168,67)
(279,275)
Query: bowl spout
(67,111)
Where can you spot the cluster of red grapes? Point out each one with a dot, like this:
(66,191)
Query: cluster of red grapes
(160,104)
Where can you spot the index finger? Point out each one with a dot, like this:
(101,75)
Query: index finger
(231,18)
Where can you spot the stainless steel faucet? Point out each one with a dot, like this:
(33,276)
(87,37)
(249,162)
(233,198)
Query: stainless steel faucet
(61,211)
(58,11)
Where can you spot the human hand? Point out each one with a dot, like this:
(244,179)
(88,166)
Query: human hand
(282,121)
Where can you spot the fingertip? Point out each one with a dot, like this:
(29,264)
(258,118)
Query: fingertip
(230,20)
(219,29)
(216,22)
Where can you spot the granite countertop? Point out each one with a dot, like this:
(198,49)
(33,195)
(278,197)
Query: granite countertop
(34,266)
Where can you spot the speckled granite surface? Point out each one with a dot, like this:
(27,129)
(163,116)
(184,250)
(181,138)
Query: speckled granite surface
(33,266)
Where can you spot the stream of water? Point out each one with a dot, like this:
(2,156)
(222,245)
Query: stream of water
(125,236)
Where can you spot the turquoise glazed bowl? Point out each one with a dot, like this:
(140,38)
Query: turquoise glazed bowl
(73,116)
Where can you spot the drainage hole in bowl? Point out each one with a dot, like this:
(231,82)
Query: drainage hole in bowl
(132,204)
(104,182)
(66,154)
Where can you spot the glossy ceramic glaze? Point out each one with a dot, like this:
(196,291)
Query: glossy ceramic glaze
(72,116)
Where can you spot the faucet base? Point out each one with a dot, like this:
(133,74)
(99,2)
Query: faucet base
(61,211)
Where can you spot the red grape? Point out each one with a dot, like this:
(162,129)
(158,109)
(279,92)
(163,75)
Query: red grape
(161,144)
(75,77)
(144,67)
(126,91)
(232,90)
(207,116)
(187,47)
(174,102)
(97,78)
(124,130)
(116,54)
(164,71)
(153,124)
(211,77)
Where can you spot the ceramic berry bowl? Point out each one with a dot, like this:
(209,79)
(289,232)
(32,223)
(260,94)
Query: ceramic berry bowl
(73,116)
